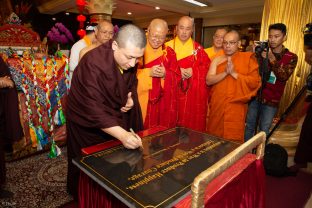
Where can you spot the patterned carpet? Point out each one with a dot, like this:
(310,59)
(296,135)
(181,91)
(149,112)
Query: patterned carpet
(37,181)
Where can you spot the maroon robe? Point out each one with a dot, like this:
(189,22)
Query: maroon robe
(10,126)
(97,93)
(304,149)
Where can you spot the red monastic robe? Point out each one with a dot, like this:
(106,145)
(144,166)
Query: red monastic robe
(158,96)
(229,97)
(192,92)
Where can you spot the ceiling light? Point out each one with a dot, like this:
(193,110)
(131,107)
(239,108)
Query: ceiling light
(157,8)
(129,13)
(196,3)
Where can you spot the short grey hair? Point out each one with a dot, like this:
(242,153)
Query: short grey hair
(130,33)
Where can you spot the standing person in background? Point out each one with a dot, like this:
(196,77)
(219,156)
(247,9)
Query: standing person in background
(217,48)
(10,126)
(282,64)
(87,40)
(102,102)
(103,32)
(192,90)
(303,153)
(214,51)
(235,80)
(158,79)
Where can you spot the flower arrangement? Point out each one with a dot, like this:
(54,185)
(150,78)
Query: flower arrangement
(60,35)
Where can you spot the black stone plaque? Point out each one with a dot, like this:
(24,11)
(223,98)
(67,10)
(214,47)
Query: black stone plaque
(162,173)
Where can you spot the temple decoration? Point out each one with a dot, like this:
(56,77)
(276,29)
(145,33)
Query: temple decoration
(100,10)
(41,82)
(60,37)
(81,18)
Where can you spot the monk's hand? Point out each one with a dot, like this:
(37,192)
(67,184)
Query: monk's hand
(6,82)
(131,141)
(129,104)
(229,65)
(230,68)
(161,71)
(186,73)
(157,71)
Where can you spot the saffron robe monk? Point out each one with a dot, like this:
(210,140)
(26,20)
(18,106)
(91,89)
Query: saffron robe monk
(102,103)
(158,79)
(235,80)
(217,48)
(192,90)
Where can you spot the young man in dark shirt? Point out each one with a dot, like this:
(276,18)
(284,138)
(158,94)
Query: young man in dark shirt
(281,65)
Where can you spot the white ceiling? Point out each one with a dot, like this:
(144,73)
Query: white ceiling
(145,9)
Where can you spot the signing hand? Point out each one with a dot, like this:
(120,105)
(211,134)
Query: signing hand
(129,104)
(130,140)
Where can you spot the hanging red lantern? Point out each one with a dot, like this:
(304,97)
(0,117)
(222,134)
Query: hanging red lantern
(80,3)
(81,33)
(81,18)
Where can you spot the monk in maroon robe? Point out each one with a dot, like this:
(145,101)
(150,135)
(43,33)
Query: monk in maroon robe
(103,103)
(10,126)
(303,154)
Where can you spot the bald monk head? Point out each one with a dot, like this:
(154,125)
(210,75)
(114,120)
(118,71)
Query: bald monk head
(231,42)
(157,31)
(128,46)
(218,38)
(185,28)
(104,31)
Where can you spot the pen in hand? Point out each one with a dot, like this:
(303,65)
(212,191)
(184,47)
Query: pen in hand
(135,135)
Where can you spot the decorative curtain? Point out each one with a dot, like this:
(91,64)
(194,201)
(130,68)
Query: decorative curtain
(295,14)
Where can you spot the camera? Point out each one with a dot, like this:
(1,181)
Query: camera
(261,46)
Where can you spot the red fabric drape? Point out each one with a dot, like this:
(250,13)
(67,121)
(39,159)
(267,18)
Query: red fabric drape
(240,186)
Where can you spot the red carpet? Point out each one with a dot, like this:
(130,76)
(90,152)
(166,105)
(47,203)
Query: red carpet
(288,192)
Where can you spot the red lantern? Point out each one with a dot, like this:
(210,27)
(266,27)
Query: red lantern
(81,18)
(81,33)
(81,3)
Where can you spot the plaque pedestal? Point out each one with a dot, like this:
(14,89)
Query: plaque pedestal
(162,175)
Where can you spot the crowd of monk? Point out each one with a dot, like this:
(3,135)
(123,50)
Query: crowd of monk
(137,80)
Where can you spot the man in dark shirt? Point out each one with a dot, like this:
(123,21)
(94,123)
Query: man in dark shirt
(103,103)
(304,149)
(281,65)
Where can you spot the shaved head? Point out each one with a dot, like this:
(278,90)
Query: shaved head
(185,28)
(186,19)
(158,24)
(157,32)
(104,31)
(130,34)
(235,33)
(231,42)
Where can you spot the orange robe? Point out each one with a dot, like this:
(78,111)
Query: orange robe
(192,92)
(158,96)
(212,54)
(229,97)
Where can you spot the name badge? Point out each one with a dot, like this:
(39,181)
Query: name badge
(272,78)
